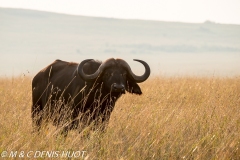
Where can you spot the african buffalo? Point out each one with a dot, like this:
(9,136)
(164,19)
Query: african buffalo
(70,94)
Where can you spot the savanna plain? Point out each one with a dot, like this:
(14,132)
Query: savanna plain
(175,118)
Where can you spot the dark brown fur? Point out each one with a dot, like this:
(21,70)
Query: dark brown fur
(59,94)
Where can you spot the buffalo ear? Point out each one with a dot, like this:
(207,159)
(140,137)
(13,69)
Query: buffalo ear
(133,87)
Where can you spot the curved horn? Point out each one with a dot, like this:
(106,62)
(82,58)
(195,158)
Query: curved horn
(92,77)
(137,79)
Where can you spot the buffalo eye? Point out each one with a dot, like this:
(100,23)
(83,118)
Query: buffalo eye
(124,74)
(108,74)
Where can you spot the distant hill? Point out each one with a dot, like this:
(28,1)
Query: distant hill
(84,35)
(43,33)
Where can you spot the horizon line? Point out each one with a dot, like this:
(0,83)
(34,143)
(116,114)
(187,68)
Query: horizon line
(120,18)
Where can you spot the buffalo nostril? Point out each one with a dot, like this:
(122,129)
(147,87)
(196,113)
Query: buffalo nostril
(115,86)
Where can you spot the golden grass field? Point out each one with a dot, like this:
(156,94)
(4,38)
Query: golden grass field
(175,118)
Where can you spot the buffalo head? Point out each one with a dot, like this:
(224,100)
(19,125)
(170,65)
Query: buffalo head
(116,75)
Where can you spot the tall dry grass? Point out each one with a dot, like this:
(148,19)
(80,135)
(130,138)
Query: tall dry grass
(175,118)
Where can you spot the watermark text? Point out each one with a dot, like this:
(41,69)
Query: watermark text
(43,154)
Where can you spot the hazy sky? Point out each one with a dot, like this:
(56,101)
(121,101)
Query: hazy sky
(220,11)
